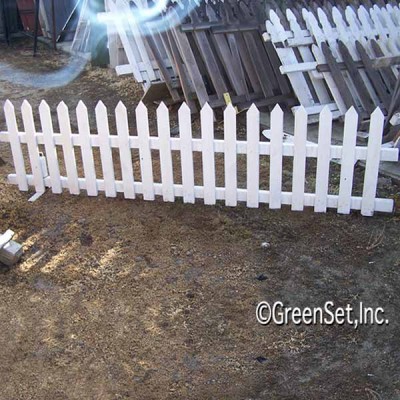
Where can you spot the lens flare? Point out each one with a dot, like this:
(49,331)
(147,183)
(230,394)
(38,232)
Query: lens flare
(148,16)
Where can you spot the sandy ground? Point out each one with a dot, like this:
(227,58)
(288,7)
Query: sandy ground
(118,299)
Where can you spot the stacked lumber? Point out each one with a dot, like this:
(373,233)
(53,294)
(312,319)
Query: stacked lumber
(339,57)
(215,53)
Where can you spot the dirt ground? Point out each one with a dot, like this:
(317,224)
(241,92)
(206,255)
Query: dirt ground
(118,299)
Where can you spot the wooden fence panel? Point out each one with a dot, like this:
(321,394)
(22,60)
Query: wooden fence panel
(233,150)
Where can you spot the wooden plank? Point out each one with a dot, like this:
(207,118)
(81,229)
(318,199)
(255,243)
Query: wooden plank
(323,162)
(347,161)
(164,135)
(366,100)
(299,159)
(253,157)
(185,132)
(230,158)
(338,77)
(33,150)
(146,165)
(51,151)
(372,164)
(86,149)
(125,154)
(374,76)
(18,157)
(190,62)
(68,148)
(107,163)
(208,157)
(276,158)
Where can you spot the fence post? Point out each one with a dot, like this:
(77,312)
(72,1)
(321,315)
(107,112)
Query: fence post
(164,137)
(299,159)
(146,165)
(324,159)
(16,149)
(105,150)
(208,156)
(372,165)
(253,157)
(276,159)
(51,152)
(125,153)
(185,132)
(33,150)
(230,156)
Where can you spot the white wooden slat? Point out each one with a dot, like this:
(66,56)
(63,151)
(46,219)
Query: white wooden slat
(185,132)
(125,153)
(381,205)
(323,163)
(146,166)
(299,159)
(253,157)
(105,150)
(288,57)
(51,151)
(122,32)
(372,164)
(347,37)
(307,56)
(319,56)
(230,159)
(347,161)
(164,134)
(33,150)
(18,157)
(276,158)
(68,148)
(86,149)
(208,157)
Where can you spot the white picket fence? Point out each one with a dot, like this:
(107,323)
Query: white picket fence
(300,51)
(46,168)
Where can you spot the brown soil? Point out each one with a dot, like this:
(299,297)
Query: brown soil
(118,299)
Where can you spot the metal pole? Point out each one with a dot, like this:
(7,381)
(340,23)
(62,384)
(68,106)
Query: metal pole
(5,22)
(53,21)
(36,30)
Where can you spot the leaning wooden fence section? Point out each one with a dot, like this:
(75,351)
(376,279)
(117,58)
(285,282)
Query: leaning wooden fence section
(45,166)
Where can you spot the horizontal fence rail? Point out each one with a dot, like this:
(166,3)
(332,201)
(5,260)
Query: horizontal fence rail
(45,165)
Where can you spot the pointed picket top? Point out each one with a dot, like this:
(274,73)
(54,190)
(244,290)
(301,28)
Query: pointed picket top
(294,25)
(338,17)
(43,106)
(81,106)
(253,110)
(230,110)
(377,116)
(364,17)
(8,106)
(274,18)
(325,114)
(206,109)
(350,13)
(120,106)
(26,107)
(184,109)
(162,108)
(351,113)
(100,107)
(301,112)
(62,107)
(277,111)
(141,108)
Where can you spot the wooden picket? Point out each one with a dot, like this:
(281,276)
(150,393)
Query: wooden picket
(328,55)
(124,142)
